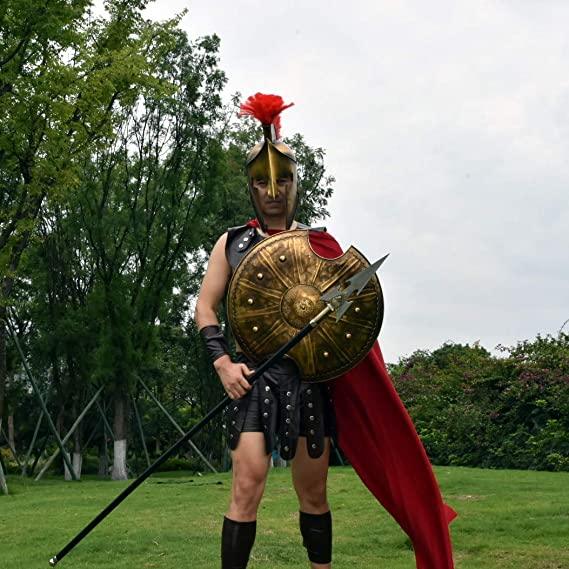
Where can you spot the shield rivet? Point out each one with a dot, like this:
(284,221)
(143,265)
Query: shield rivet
(260,276)
(348,335)
(287,421)
(309,392)
(310,405)
(250,300)
(267,388)
(311,431)
(288,393)
(267,401)
(357,308)
(245,239)
(311,417)
(288,407)
(282,258)
(265,414)
(255,328)
(325,354)
(286,449)
(313,445)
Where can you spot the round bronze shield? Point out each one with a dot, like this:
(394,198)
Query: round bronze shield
(275,291)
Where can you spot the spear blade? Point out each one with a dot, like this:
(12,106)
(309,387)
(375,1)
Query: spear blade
(338,296)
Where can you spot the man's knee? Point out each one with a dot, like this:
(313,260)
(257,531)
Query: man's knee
(312,497)
(247,492)
(248,486)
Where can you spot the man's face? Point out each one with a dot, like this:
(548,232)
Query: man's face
(272,207)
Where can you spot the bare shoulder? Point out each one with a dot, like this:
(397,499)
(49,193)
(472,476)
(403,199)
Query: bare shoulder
(221,241)
(217,256)
(219,245)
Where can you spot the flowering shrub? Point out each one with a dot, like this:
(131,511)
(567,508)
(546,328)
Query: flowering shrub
(475,409)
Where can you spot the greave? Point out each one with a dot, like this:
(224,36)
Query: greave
(237,540)
(316,530)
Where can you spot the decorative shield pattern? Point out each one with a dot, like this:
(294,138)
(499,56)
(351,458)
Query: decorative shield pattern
(275,291)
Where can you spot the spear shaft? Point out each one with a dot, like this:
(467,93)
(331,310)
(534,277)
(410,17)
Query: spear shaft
(192,432)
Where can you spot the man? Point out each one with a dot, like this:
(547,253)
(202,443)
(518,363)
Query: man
(381,444)
(254,427)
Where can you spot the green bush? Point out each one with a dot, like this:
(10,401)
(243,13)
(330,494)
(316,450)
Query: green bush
(10,465)
(474,409)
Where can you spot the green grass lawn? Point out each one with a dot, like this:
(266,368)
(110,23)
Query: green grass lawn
(507,520)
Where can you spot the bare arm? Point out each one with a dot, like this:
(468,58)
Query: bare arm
(233,376)
(213,286)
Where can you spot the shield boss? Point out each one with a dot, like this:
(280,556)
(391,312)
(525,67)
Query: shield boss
(275,291)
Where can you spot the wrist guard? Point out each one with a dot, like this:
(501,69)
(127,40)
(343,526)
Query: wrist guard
(215,342)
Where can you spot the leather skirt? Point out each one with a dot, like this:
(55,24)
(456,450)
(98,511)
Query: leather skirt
(283,408)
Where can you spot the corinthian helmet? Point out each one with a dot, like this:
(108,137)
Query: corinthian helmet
(271,159)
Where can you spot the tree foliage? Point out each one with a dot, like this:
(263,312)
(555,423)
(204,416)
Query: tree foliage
(120,167)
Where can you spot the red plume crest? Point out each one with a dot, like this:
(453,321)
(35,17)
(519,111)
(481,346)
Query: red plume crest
(266,109)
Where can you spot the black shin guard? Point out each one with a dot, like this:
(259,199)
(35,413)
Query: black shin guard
(237,540)
(316,530)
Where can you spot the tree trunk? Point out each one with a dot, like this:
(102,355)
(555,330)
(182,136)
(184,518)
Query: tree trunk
(11,431)
(77,455)
(66,473)
(59,422)
(3,485)
(2,357)
(103,458)
(77,464)
(5,293)
(120,428)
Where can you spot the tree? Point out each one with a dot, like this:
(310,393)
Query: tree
(62,73)
(143,200)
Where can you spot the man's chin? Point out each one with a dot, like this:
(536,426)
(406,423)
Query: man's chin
(274,211)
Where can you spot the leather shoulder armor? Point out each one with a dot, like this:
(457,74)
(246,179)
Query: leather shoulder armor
(239,242)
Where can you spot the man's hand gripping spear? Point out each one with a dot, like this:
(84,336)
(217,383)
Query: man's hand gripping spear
(337,300)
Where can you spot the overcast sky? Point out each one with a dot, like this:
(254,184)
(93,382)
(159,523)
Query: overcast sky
(446,125)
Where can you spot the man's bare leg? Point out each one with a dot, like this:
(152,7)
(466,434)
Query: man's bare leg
(309,476)
(250,467)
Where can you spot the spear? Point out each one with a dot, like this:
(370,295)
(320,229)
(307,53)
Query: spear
(336,300)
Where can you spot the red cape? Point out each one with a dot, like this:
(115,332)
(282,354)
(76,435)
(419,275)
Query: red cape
(378,437)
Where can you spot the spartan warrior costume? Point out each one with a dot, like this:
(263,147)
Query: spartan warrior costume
(374,429)
(278,405)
